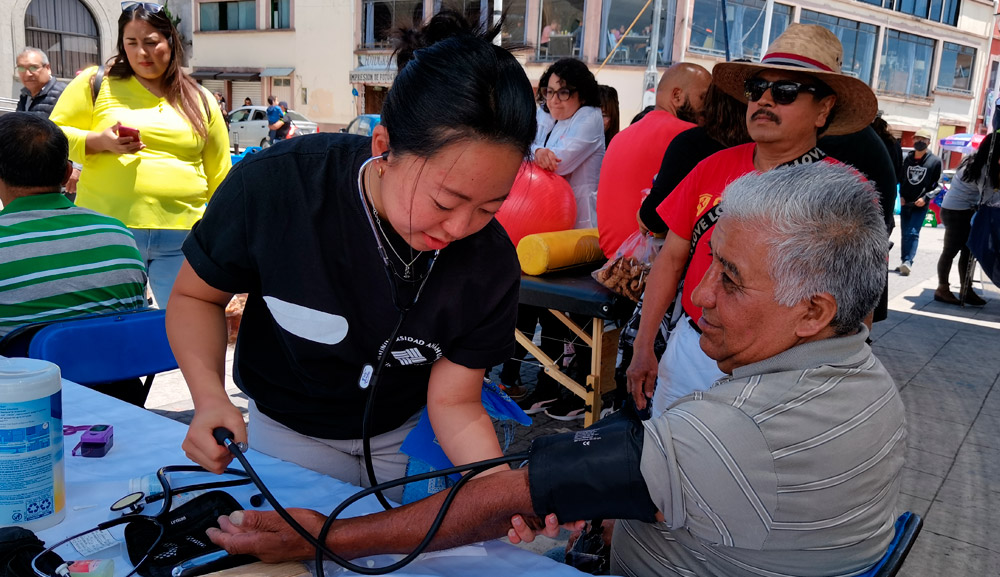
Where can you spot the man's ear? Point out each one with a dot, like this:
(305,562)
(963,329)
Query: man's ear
(677,96)
(817,316)
(68,173)
(825,106)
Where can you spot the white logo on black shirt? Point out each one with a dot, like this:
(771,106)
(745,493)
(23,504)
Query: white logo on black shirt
(916,174)
(409,357)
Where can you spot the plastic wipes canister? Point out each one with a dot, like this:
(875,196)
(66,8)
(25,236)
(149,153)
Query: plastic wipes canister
(32,482)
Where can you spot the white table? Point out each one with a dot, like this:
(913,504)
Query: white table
(145,441)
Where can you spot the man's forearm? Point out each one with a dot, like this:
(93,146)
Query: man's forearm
(481,511)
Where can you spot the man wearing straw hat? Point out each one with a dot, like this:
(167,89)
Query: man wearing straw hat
(795,94)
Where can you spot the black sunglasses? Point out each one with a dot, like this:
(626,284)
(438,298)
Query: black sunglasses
(150,7)
(782,91)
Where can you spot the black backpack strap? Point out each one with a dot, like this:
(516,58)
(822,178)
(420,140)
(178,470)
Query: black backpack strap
(95,83)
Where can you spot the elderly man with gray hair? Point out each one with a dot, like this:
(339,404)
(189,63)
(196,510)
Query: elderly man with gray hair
(41,89)
(789,465)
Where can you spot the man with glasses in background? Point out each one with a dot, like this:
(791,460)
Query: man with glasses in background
(39,94)
(41,89)
(795,94)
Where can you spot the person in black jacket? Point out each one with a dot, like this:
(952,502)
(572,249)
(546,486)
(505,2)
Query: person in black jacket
(39,95)
(918,185)
(41,89)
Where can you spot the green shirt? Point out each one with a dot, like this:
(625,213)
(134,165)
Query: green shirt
(58,260)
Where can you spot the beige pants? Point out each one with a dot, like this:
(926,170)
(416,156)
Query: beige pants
(340,459)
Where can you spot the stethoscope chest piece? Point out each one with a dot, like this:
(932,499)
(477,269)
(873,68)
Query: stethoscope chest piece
(130,504)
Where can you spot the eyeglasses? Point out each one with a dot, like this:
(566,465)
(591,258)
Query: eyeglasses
(150,7)
(782,91)
(32,69)
(562,94)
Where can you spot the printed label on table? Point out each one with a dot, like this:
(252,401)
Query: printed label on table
(93,542)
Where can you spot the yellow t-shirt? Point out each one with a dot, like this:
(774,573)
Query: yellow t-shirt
(163,186)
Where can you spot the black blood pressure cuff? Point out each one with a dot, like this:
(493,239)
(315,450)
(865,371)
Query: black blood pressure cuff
(591,474)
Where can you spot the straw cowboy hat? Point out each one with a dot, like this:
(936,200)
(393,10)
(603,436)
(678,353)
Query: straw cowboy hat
(812,50)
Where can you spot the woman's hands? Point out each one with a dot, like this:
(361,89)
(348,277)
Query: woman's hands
(111,141)
(199,444)
(546,159)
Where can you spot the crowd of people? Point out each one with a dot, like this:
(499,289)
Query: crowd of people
(774,438)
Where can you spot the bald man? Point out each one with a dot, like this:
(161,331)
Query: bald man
(634,155)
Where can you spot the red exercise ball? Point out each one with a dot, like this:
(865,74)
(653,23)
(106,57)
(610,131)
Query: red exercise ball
(539,201)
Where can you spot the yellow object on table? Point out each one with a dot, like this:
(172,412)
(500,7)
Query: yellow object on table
(552,251)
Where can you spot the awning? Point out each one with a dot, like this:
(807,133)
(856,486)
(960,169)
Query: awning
(205,74)
(277,72)
(245,76)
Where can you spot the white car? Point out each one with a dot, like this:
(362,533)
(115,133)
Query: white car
(248,126)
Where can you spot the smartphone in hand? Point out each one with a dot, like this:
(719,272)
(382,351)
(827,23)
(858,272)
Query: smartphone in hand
(129,131)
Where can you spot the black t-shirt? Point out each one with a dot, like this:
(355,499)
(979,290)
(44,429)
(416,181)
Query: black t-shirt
(288,226)
(686,150)
(870,156)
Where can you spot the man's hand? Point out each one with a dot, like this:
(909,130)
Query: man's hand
(266,536)
(546,159)
(920,202)
(641,375)
(74,177)
(521,532)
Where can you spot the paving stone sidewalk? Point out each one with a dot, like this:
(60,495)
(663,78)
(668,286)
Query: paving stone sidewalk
(946,362)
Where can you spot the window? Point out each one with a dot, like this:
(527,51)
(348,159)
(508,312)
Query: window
(906,64)
(281,14)
(746,27)
(944,11)
(239,115)
(66,31)
(380,17)
(632,46)
(857,38)
(228,15)
(481,11)
(560,31)
(259,115)
(955,72)
(281,81)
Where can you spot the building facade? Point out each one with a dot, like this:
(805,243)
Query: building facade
(931,62)
(75,34)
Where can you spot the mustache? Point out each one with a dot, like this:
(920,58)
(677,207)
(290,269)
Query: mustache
(765,112)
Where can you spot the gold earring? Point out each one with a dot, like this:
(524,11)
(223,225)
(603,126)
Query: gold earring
(381,170)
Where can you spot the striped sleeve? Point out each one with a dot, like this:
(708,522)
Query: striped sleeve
(724,471)
(62,263)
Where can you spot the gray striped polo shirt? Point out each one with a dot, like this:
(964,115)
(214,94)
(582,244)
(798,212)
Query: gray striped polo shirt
(58,260)
(789,467)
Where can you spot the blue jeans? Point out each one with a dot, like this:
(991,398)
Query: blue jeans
(161,252)
(911,220)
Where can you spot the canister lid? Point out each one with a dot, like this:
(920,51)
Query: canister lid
(27,372)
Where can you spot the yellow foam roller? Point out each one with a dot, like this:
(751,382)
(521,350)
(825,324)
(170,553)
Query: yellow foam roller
(552,251)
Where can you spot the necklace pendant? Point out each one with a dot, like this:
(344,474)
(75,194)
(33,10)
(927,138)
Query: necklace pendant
(406,271)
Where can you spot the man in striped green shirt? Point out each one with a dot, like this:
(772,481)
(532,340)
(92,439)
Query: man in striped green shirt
(56,260)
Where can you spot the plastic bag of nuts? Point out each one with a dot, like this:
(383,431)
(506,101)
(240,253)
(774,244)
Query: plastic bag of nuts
(626,273)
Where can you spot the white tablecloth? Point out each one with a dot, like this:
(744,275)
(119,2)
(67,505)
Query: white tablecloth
(145,441)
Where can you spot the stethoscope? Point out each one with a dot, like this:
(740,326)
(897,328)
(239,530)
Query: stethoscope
(132,505)
(370,375)
(225,438)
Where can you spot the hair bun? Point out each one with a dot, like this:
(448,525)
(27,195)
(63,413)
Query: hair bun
(445,24)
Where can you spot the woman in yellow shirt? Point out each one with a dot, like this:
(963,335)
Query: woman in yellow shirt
(157,178)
